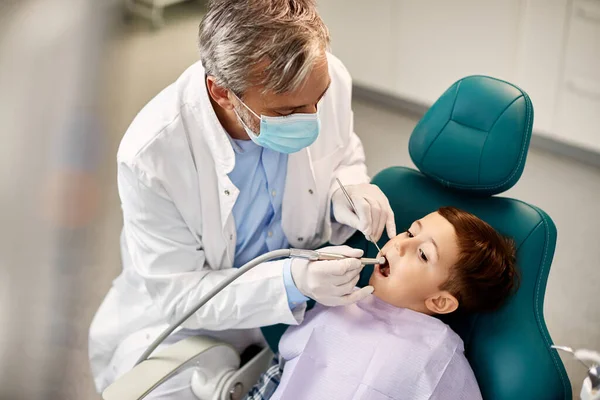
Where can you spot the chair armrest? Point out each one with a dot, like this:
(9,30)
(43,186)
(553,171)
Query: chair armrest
(238,384)
(193,351)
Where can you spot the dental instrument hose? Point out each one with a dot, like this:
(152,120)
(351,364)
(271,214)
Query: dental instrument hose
(311,255)
(242,270)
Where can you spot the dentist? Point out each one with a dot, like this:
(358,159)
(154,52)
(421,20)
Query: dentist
(236,158)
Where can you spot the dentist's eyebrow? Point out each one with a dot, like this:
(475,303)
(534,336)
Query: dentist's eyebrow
(292,107)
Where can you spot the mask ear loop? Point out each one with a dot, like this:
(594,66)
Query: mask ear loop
(244,104)
(246,127)
(244,124)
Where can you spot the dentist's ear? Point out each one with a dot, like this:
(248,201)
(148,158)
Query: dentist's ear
(441,303)
(219,94)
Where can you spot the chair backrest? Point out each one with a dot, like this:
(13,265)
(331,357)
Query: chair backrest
(470,145)
(509,350)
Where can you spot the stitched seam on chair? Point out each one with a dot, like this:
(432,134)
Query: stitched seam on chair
(503,111)
(488,135)
(539,319)
(444,127)
(467,126)
(436,137)
(519,163)
(536,299)
(528,236)
(454,102)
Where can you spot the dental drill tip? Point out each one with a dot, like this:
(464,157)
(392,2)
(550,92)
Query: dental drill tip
(372,261)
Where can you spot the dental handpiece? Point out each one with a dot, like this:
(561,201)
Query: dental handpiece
(363,261)
(315,255)
(373,261)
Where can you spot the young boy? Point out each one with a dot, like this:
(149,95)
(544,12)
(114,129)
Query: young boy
(390,345)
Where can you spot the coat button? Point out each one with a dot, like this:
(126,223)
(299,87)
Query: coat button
(310,191)
(230,237)
(300,239)
(227,193)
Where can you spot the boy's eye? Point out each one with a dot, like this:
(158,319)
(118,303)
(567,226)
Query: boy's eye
(422,255)
(410,235)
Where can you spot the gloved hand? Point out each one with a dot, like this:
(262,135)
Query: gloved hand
(374,210)
(331,282)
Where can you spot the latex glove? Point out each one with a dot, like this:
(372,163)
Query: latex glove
(331,282)
(374,210)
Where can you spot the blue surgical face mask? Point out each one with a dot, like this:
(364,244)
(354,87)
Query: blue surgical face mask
(285,134)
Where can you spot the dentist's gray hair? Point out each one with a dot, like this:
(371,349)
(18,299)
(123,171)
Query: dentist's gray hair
(235,36)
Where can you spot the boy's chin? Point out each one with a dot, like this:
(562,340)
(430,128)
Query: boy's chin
(378,286)
(385,296)
(373,281)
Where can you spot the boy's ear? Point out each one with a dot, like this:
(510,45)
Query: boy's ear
(441,303)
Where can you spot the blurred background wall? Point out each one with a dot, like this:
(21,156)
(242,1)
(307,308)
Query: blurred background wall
(50,183)
(413,50)
(74,74)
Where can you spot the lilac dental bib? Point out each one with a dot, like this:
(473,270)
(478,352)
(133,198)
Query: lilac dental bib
(373,350)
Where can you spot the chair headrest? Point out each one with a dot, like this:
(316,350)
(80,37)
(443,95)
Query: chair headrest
(475,137)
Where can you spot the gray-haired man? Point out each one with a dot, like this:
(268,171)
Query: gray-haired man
(236,158)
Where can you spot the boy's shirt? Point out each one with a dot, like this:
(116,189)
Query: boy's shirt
(373,350)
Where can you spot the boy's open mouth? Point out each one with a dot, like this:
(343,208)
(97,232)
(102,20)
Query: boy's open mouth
(385,268)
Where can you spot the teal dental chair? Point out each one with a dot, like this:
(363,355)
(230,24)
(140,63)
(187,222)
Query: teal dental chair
(470,146)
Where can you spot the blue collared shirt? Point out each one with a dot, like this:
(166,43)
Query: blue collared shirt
(259,174)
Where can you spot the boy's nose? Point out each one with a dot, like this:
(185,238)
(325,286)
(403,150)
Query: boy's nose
(403,246)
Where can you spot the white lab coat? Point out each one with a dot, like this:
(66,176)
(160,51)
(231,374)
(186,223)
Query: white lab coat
(178,239)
